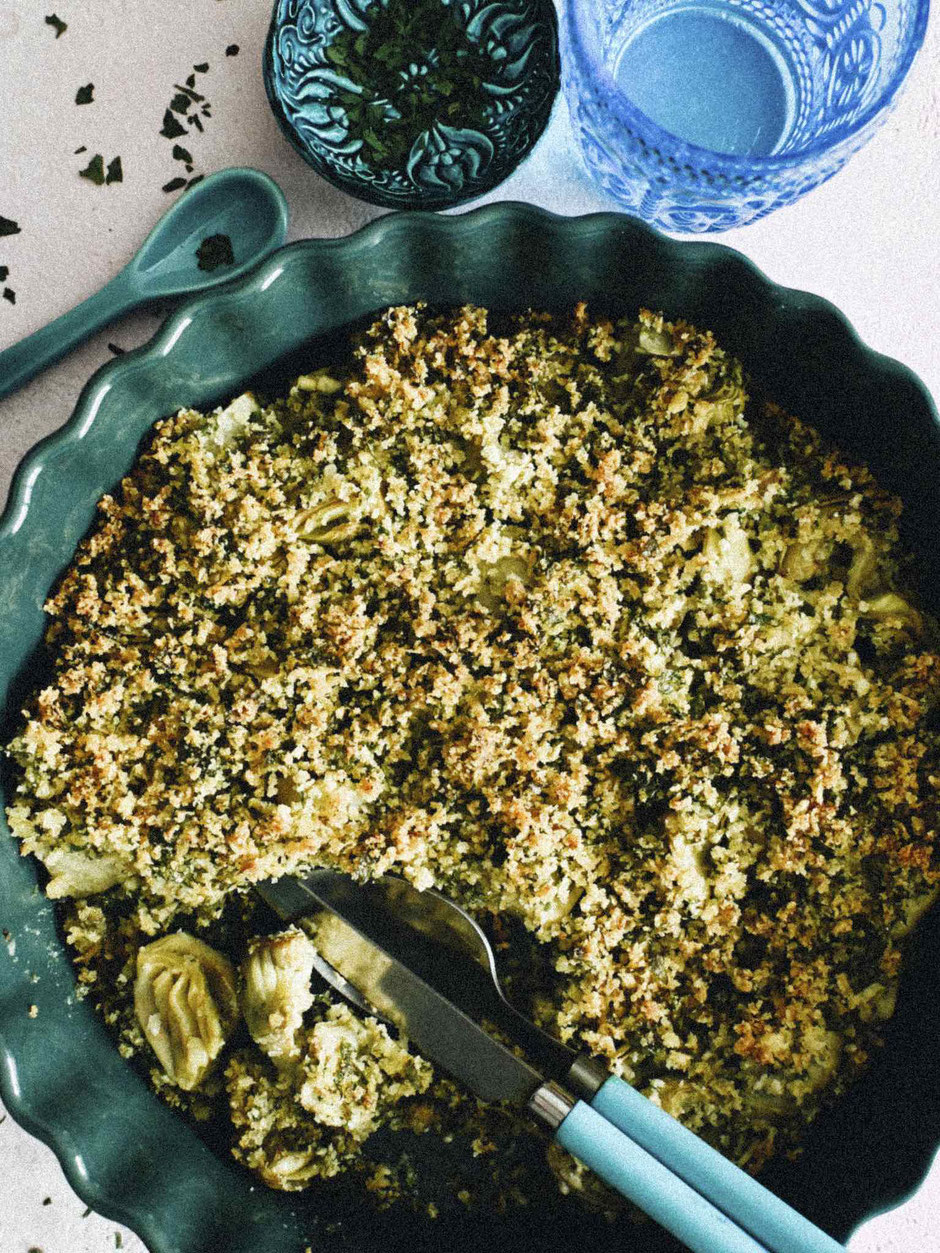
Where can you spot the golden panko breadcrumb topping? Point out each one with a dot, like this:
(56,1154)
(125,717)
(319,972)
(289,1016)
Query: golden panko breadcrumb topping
(543,611)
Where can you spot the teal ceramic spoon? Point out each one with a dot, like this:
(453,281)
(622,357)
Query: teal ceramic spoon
(243,204)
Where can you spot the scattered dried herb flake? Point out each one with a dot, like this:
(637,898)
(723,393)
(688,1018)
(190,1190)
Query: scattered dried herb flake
(8,226)
(86,94)
(171,127)
(9,294)
(4,272)
(94,170)
(181,116)
(56,23)
(116,349)
(115,171)
(389,104)
(214,252)
(232,50)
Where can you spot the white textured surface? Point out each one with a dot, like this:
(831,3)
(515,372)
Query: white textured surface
(869,240)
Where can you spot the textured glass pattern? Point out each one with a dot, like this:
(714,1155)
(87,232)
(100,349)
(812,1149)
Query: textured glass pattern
(834,66)
(447,163)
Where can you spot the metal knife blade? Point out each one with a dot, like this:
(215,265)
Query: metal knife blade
(437,1027)
(410,926)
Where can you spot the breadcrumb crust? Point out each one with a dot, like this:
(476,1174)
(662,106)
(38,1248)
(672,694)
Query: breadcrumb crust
(545,612)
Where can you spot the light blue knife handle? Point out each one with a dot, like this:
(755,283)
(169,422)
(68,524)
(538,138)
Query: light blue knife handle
(779,1228)
(24,360)
(648,1183)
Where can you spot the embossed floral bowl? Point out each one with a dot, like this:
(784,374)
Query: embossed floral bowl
(409,107)
(125,1152)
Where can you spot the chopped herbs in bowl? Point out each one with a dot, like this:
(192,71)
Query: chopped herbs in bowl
(422,104)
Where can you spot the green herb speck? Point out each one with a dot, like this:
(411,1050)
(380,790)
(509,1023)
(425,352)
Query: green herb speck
(174,184)
(115,172)
(56,23)
(182,154)
(83,148)
(9,227)
(413,67)
(9,294)
(180,102)
(94,170)
(116,349)
(232,50)
(214,252)
(86,94)
(202,67)
(4,271)
(171,128)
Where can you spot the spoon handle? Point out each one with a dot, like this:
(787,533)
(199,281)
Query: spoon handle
(638,1176)
(755,1208)
(24,360)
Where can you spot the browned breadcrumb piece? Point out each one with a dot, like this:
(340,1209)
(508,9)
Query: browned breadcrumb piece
(545,612)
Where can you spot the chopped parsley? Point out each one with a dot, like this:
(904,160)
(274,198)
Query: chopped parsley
(8,226)
(94,170)
(86,94)
(171,127)
(214,252)
(56,23)
(9,294)
(232,50)
(413,66)
(184,113)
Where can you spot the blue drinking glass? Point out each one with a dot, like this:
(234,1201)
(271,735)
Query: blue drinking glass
(700,115)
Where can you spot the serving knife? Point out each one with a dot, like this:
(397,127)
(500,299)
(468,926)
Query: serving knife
(380,945)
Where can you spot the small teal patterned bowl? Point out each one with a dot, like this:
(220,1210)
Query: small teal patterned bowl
(401,129)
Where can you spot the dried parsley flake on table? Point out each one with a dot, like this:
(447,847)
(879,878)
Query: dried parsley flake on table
(545,612)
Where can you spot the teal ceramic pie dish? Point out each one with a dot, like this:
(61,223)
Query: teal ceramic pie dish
(124,1151)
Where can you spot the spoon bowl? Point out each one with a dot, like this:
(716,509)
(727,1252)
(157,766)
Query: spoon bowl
(244,205)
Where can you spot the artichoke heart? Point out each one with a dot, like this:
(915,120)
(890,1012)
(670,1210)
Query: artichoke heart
(276,990)
(728,552)
(76,872)
(186,1004)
